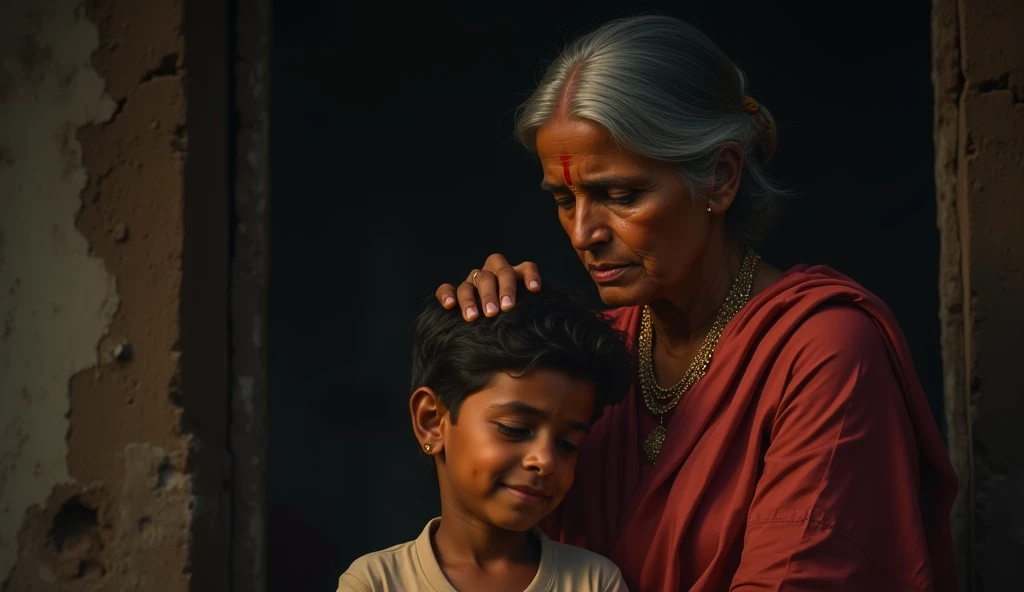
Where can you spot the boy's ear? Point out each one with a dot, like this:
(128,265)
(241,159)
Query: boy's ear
(428,414)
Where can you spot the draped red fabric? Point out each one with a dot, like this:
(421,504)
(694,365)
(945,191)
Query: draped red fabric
(806,458)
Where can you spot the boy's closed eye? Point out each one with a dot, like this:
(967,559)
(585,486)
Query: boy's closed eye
(521,433)
(512,431)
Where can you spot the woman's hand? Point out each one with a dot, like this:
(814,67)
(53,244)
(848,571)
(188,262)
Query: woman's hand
(495,285)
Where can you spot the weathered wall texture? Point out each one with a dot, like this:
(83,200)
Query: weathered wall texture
(99,469)
(56,297)
(979,139)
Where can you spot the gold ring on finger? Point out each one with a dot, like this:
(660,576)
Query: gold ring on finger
(472,278)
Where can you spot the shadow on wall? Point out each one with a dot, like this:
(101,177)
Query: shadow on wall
(394,170)
(303,545)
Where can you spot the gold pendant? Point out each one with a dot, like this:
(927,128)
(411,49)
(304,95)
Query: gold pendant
(652,445)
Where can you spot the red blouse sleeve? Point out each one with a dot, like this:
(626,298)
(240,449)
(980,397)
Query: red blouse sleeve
(837,504)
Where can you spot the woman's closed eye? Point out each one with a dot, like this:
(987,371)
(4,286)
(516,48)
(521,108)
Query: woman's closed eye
(624,197)
(616,197)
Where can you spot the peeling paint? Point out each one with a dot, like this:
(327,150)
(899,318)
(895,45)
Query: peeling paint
(57,300)
(98,186)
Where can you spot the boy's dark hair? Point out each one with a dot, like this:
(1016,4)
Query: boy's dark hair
(547,329)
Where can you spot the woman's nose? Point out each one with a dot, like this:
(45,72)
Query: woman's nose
(587,226)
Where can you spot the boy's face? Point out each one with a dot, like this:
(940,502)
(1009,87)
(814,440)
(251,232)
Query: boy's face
(511,457)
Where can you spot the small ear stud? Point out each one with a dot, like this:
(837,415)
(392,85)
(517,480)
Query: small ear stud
(709,208)
(426,448)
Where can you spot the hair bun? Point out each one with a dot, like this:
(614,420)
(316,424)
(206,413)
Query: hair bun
(765,125)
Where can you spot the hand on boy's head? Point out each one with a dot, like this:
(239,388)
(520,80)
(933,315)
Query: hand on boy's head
(491,288)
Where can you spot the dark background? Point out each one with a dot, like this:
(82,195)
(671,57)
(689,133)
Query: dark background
(394,170)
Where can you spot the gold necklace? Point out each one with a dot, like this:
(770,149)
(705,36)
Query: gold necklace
(660,401)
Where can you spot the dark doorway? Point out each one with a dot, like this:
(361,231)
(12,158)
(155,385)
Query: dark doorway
(394,169)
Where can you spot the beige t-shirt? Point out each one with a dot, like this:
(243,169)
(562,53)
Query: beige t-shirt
(412,566)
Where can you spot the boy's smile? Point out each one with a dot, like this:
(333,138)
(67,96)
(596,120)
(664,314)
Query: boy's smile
(528,494)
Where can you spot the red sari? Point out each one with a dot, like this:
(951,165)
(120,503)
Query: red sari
(806,459)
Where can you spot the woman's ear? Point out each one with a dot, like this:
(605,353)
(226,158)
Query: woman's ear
(728,173)
(428,414)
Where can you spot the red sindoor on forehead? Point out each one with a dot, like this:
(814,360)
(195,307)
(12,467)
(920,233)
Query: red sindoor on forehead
(565,171)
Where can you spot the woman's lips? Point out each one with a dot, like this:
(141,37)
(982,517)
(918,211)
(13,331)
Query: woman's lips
(607,273)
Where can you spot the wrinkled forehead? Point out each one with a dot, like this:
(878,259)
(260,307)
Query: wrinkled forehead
(583,150)
(574,138)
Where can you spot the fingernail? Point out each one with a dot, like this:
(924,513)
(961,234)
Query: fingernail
(471,313)
(491,308)
(449,301)
(534,284)
(506,301)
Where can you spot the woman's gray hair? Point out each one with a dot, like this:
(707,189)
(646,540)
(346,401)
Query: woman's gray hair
(665,91)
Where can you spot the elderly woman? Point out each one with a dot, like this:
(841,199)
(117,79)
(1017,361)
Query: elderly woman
(776,436)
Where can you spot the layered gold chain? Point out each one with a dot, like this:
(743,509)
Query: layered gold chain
(660,401)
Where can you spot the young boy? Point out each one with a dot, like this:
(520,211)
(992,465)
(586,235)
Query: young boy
(501,405)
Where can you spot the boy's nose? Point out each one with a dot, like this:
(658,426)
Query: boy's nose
(540,458)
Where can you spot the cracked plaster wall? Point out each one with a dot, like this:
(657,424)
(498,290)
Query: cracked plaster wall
(95,487)
(56,297)
(978,72)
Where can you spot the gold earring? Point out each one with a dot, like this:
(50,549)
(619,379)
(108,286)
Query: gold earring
(426,448)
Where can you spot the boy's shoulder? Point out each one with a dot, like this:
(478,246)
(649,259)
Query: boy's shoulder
(583,569)
(394,568)
(412,566)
